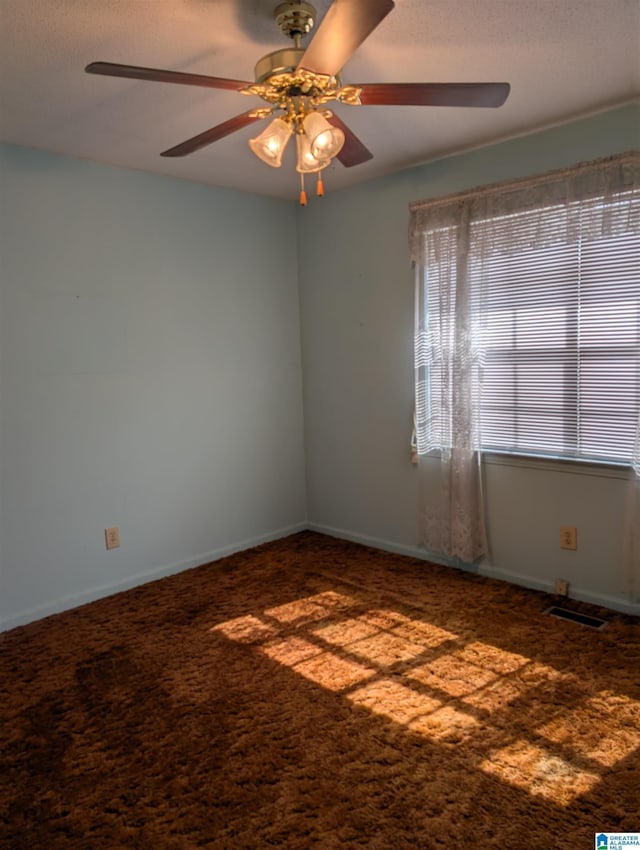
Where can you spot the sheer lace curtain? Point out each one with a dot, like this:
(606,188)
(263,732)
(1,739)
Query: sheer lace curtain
(447,238)
(448,371)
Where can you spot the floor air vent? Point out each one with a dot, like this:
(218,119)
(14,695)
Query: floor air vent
(583,619)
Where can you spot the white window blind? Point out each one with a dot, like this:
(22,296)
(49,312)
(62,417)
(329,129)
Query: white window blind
(547,282)
(561,343)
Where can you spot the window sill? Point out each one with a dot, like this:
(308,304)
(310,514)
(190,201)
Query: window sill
(599,469)
(571,466)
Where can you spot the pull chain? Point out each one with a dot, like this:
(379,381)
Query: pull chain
(303,194)
(320,185)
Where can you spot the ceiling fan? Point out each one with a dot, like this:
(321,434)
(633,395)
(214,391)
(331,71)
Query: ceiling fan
(298,83)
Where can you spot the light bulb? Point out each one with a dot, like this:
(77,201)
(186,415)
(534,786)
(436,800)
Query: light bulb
(325,140)
(270,144)
(307,162)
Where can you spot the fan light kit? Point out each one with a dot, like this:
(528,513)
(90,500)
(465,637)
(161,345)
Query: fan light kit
(297,84)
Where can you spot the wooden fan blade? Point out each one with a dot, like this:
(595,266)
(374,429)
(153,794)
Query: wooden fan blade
(133,72)
(212,135)
(353,151)
(433,94)
(345,26)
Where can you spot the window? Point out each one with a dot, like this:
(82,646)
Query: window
(561,344)
(531,303)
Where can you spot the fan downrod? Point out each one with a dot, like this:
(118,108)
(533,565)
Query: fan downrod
(295,18)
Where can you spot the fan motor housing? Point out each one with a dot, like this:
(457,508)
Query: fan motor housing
(283,61)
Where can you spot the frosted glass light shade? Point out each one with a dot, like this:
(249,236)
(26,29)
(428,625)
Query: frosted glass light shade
(307,163)
(325,140)
(270,144)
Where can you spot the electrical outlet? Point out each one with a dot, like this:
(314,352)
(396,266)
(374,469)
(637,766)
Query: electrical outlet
(112,537)
(569,537)
(561,587)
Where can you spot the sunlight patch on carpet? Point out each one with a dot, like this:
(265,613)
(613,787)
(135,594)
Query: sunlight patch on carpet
(482,676)
(367,641)
(606,728)
(498,660)
(426,633)
(498,694)
(540,772)
(291,651)
(410,634)
(321,667)
(447,725)
(433,683)
(346,632)
(314,607)
(247,629)
(452,675)
(394,700)
(418,712)
(386,649)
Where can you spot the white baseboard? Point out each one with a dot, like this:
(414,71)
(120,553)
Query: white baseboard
(67,602)
(615,603)
(374,542)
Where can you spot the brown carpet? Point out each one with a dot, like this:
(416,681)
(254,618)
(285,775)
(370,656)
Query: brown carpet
(313,693)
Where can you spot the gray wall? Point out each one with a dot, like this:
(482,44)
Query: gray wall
(356,295)
(151,379)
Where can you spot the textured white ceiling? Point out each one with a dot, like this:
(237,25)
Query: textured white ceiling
(563,58)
